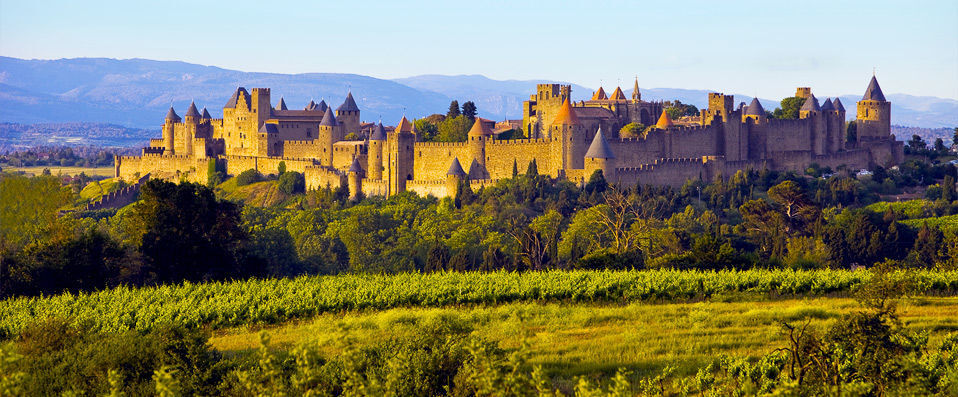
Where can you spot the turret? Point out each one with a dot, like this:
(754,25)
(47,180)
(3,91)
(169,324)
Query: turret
(454,177)
(617,95)
(874,113)
(811,111)
(565,130)
(809,108)
(348,114)
(374,161)
(191,120)
(399,148)
(169,130)
(834,124)
(327,135)
(477,136)
(205,114)
(355,180)
(665,122)
(281,105)
(600,157)
(755,112)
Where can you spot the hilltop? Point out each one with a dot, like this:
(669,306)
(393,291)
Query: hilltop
(136,92)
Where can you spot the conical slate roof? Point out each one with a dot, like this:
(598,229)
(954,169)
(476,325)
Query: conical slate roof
(828,106)
(838,105)
(755,108)
(269,128)
(172,116)
(566,115)
(404,125)
(281,105)
(206,114)
(599,148)
(379,133)
(355,167)
(599,95)
(873,92)
(456,169)
(617,94)
(328,120)
(479,128)
(664,121)
(811,104)
(311,105)
(192,112)
(349,105)
(322,105)
(476,170)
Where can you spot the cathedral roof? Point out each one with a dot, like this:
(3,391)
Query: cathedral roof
(269,128)
(379,133)
(404,125)
(281,105)
(664,121)
(479,128)
(456,169)
(617,95)
(838,105)
(599,95)
(873,92)
(349,105)
(236,94)
(172,116)
(755,108)
(811,104)
(828,106)
(328,120)
(355,167)
(566,115)
(192,112)
(206,113)
(599,148)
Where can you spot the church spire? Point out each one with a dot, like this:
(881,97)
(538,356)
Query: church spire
(636,95)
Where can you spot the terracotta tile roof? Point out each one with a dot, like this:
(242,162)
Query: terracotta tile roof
(404,125)
(599,95)
(664,121)
(617,95)
(566,115)
(480,127)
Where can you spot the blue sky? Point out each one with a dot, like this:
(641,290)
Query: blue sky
(759,48)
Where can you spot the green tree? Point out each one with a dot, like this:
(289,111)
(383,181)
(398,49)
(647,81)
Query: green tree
(454,129)
(469,110)
(453,109)
(917,143)
(789,108)
(291,182)
(29,209)
(426,130)
(632,130)
(940,146)
(281,168)
(533,170)
(954,138)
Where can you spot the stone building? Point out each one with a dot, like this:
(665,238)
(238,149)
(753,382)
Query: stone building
(568,140)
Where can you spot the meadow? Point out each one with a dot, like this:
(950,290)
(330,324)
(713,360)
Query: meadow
(58,170)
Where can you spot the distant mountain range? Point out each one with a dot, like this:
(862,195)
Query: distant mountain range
(137,92)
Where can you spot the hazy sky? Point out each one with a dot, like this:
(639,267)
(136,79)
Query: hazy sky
(750,47)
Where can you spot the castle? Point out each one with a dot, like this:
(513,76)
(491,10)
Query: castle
(568,140)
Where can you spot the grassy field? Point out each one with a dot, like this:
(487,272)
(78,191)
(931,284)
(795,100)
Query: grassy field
(57,170)
(583,339)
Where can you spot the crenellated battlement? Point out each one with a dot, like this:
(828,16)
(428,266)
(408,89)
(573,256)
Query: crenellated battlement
(519,141)
(439,144)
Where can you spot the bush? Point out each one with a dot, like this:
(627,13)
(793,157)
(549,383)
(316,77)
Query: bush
(292,182)
(247,177)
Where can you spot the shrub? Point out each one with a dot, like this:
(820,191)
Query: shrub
(247,177)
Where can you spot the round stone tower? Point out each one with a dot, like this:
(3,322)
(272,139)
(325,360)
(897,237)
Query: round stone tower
(374,161)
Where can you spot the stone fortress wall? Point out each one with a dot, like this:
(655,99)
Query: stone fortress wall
(569,140)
